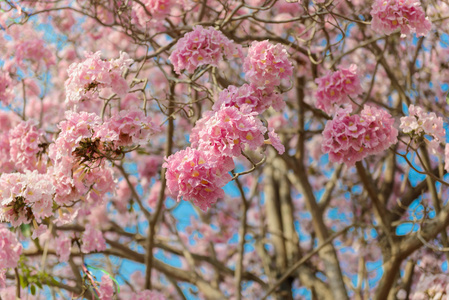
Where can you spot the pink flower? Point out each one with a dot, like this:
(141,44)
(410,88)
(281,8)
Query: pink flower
(159,9)
(10,249)
(25,197)
(86,78)
(106,289)
(335,87)
(227,132)
(34,50)
(248,95)
(275,141)
(267,64)
(350,138)
(63,246)
(202,46)
(408,15)
(127,128)
(420,123)
(25,141)
(38,231)
(197,176)
(92,240)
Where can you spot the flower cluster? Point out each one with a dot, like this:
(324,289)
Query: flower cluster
(78,161)
(86,78)
(63,246)
(159,9)
(419,123)
(335,87)
(92,240)
(106,289)
(75,128)
(350,138)
(431,286)
(197,176)
(267,64)
(25,197)
(126,128)
(408,15)
(25,145)
(227,132)
(35,50)
(10,249)
(202,46)
(249,95)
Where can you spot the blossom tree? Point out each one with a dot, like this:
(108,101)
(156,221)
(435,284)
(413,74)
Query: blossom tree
(183,149)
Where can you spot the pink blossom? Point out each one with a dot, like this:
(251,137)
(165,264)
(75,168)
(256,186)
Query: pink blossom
(63,246)
(86,78)
(248,95)
(39,230)
(106,289)
(25,141)
(34,50)
(10,249)
(202,46)
(350,138)
(197,176)
(420,123)
(159,9)
(149,166)
(275,141)
(431,286)
(76,127)
(335,88)
(408,15)
(92,240)
(267,64)
(126,128)
(25,197)
(227,131)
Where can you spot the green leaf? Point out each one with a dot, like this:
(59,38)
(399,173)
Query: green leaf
(23,282)
(33,290)
(447,98)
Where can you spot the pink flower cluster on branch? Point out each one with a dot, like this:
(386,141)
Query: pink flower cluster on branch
(88,77)
(419,123)
(408,15)
(26,145)
(93,240)
(227,132)
(350,138)
(25,197)
(202,46)
(10,249)
(335,88)
(80,151)
(266,65)
(128,127)
(249,95)
(198,176)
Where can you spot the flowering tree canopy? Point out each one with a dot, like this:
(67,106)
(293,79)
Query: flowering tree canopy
(236,149)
